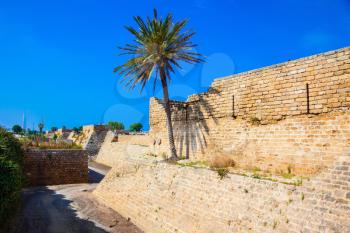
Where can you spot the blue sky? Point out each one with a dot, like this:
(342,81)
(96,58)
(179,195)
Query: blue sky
(57,57)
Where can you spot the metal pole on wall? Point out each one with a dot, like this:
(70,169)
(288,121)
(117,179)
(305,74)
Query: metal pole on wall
(307,99)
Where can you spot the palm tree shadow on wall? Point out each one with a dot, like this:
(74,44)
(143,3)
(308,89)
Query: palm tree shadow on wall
(190,127)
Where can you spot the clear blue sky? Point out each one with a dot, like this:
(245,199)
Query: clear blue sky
(57,57)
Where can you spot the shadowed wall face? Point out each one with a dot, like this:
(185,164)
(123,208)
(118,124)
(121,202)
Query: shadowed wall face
(91,138)
(53,167)
(290,114)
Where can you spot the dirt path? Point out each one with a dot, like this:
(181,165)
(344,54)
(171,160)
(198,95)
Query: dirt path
(69,209)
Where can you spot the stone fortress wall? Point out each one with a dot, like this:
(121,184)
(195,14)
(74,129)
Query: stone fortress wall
(295,114)
(260,118)
(96,135)
(127,147)
(91,138)
(164,198)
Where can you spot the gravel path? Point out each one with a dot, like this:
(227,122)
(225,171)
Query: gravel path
(69,209)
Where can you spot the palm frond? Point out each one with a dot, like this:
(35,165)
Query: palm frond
(158,47)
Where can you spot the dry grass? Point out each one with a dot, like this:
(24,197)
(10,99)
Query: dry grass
(254,121)
(47,145)
(222,162)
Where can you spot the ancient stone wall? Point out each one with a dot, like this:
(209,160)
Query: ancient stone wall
(295,113)
(169,198)
(52,167)
(91,138)
(96,138)
(127,147)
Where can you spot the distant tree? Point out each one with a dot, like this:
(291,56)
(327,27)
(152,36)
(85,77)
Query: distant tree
(54,137)
(32,132)
(64,127)
(29,131)
(54,129)
(115,125)
(136,127)
(41,127)
(78,129)
(17,129)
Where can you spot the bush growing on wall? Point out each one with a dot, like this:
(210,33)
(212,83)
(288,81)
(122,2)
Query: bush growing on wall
(11,159)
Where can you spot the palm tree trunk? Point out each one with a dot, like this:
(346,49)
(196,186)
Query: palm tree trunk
(168,117)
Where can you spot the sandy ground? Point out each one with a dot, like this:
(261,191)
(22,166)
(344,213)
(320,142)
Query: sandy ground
(69,209)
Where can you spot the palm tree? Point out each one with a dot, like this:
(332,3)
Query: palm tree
(41,126)
(158,47)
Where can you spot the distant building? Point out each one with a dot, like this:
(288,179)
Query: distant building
(63,133)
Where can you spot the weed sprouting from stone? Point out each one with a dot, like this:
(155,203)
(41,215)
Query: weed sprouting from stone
(274,225)
(222,172)
(137,167)
(152,154)
(164,155)
(254,121)
(287,175)
(270,179)
(256,169)
(298,182)
(200,164)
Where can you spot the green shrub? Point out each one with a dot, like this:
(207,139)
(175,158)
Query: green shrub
(11,184)
(11,160)
(10,147)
